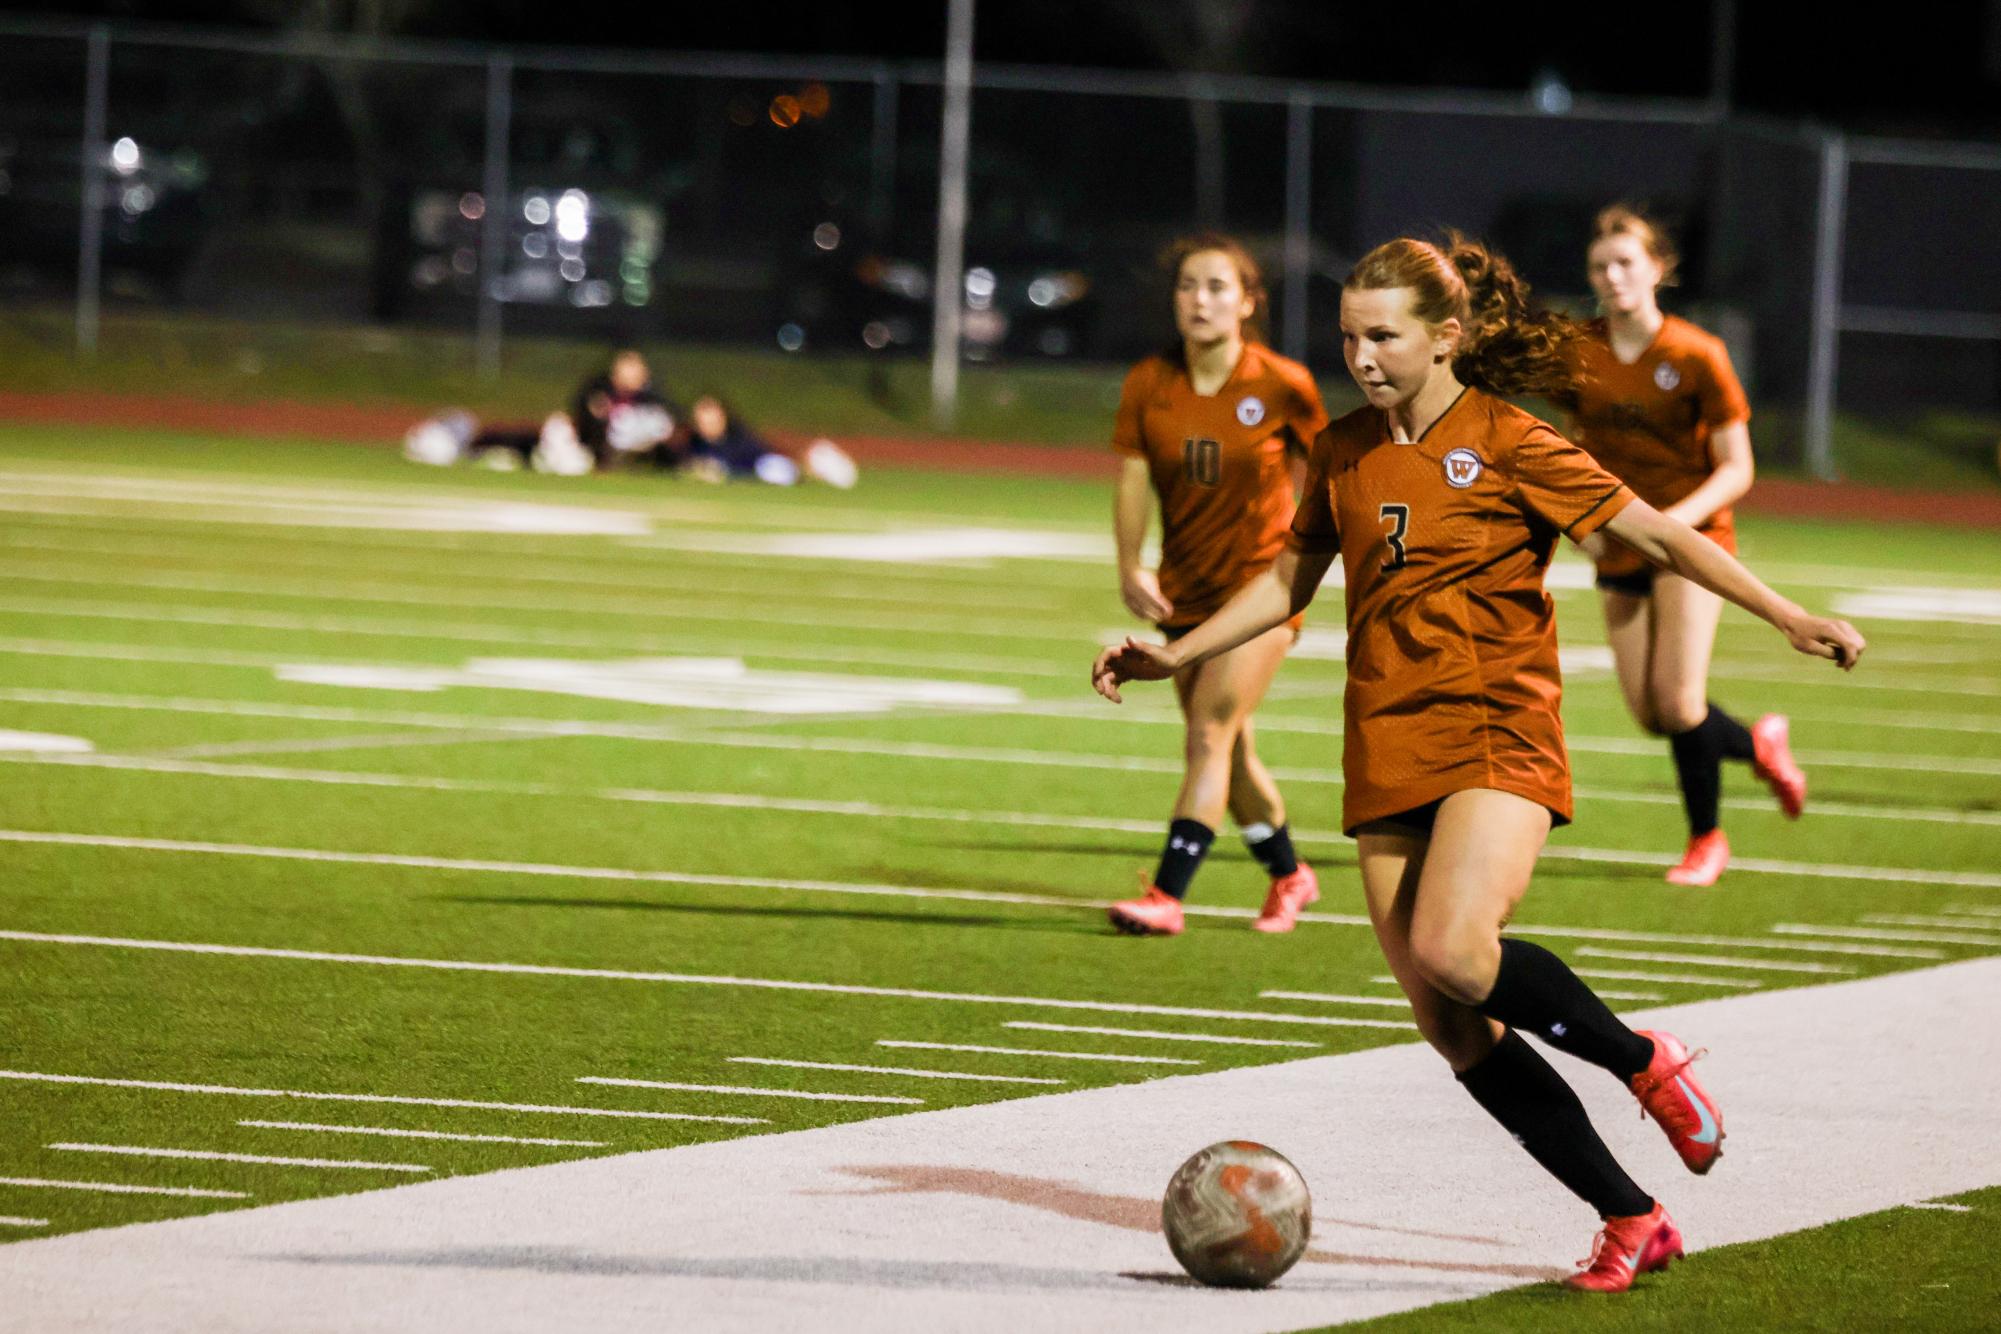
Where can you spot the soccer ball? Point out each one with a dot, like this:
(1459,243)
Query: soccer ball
(1237,1215)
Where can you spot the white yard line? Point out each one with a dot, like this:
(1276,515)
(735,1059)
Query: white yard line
(1384,980)
(1942,1206)
(1978,909)
(213,1156)
(1154,1034)
(400,1100)
(896,1070)
(1042,1212)
(797,1094)
(326,745)
(1715,961)
(1679,979)
(1042,1052)
(392,1133)
(1871,933)
(11,1220)
(1331,999)
(687,979)
(613,873)
(1957,923)
(117,1188)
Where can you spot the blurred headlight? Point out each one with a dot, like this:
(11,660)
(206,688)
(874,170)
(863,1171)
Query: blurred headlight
(899,276)
(1052,291)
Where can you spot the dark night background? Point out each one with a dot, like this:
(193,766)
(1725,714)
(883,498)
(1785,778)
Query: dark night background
(1920,69)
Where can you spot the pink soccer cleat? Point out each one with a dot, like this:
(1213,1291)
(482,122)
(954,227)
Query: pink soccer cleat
(1702,864)
(1669,1093)
(1626,1248)
(1773,762)
(1154,913)
(1289,894)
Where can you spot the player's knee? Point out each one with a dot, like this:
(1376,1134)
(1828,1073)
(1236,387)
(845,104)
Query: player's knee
(1677,711)
(1455,962)
(1209,741)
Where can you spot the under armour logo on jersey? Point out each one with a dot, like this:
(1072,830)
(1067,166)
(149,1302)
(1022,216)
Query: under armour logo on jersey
(1666,376)
(1462,468)
(1250,410)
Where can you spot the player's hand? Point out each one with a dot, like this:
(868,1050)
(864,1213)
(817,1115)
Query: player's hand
(1140,591)
(1824,637)
(1134,660)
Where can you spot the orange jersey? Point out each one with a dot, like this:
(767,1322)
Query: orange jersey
(1649,423)
(1452,669)
(1219,467)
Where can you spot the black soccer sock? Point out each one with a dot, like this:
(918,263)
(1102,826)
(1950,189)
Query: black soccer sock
(1518,1088)
(1272,848)
(1187,844)
(1698,761)
(1536,992)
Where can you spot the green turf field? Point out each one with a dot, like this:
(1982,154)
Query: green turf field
(461,895)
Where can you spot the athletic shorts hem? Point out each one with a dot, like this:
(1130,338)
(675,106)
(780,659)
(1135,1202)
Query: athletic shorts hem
(1418,812)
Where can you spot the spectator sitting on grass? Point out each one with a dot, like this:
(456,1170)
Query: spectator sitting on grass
(715,445)
(615,414)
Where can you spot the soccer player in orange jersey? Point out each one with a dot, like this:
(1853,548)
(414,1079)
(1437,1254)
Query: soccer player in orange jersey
(1658,405)
(1212,428)
(1444,504)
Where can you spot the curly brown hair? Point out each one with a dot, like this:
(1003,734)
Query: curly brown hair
(1508,346)
(1249,273)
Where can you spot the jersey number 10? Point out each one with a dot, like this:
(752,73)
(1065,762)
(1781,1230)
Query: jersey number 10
(1202,461)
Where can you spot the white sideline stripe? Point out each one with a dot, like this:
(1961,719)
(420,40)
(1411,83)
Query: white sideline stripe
(206,1155)
(1713,961)
(845,887)
(1039,1051)
(117,1188)
(1960,923)
(1977,909)
(390,1132)
(1680,979)
(1767,866)
(1603,994)
(1871,933)
(8,1220)
(682,979)
(164,1086)
(1157,1034)
(1397,1002)
(896,1070)
(748,1092)
(1942,1205)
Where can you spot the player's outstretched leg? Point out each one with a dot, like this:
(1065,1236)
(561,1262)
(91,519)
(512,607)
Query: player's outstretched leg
(1260,813)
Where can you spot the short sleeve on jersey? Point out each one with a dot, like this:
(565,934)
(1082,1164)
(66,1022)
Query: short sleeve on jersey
(1722,396)
(1314,527)
(1309,415)
(1127,436)
(1564,485)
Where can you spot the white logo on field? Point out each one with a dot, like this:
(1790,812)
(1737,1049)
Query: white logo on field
(677,683)
(1462,468)
(1666,376)
(1250,410)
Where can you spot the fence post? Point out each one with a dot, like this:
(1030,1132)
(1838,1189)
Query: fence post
(1830,223)
(495,220)
(948,295)
(1298,222)
(90,227)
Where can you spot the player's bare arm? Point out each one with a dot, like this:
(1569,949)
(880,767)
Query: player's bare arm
(1673,545)
(1132,506)
(1729,480)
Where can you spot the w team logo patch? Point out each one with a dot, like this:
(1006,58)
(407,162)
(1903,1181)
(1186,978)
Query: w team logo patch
(1462,468)
(1666,376)
(1250,411)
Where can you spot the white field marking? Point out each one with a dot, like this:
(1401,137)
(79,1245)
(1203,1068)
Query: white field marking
(43,743)
(1959,923)
(116,1188)
(893,891)
(1872,933)
(1221,1038)
(323,745)
(682,683)
(1039,1051)
(913,546)
(9,1220)
(748,1092)
(1714,961)
(896,1070)
(1942,1205)
(1768,866)
(519,635)
(1967,605)
(648,607)
(1986,688)
(678,979)
(1332,999)
(400,1100)
(391,1133)
(1603,994)
(432,516)
(207,1155)
(1678,979)
(1977,909)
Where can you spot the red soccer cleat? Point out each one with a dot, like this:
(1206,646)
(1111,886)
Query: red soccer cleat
(1154,913)
(1702,864)
(1626,1248)
(1773,762)
(1289,894)
(1669,1093)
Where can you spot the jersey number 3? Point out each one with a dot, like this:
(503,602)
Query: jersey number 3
(1398,516)
(1202,461)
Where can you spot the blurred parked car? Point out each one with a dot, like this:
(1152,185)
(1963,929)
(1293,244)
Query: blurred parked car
(155,212)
